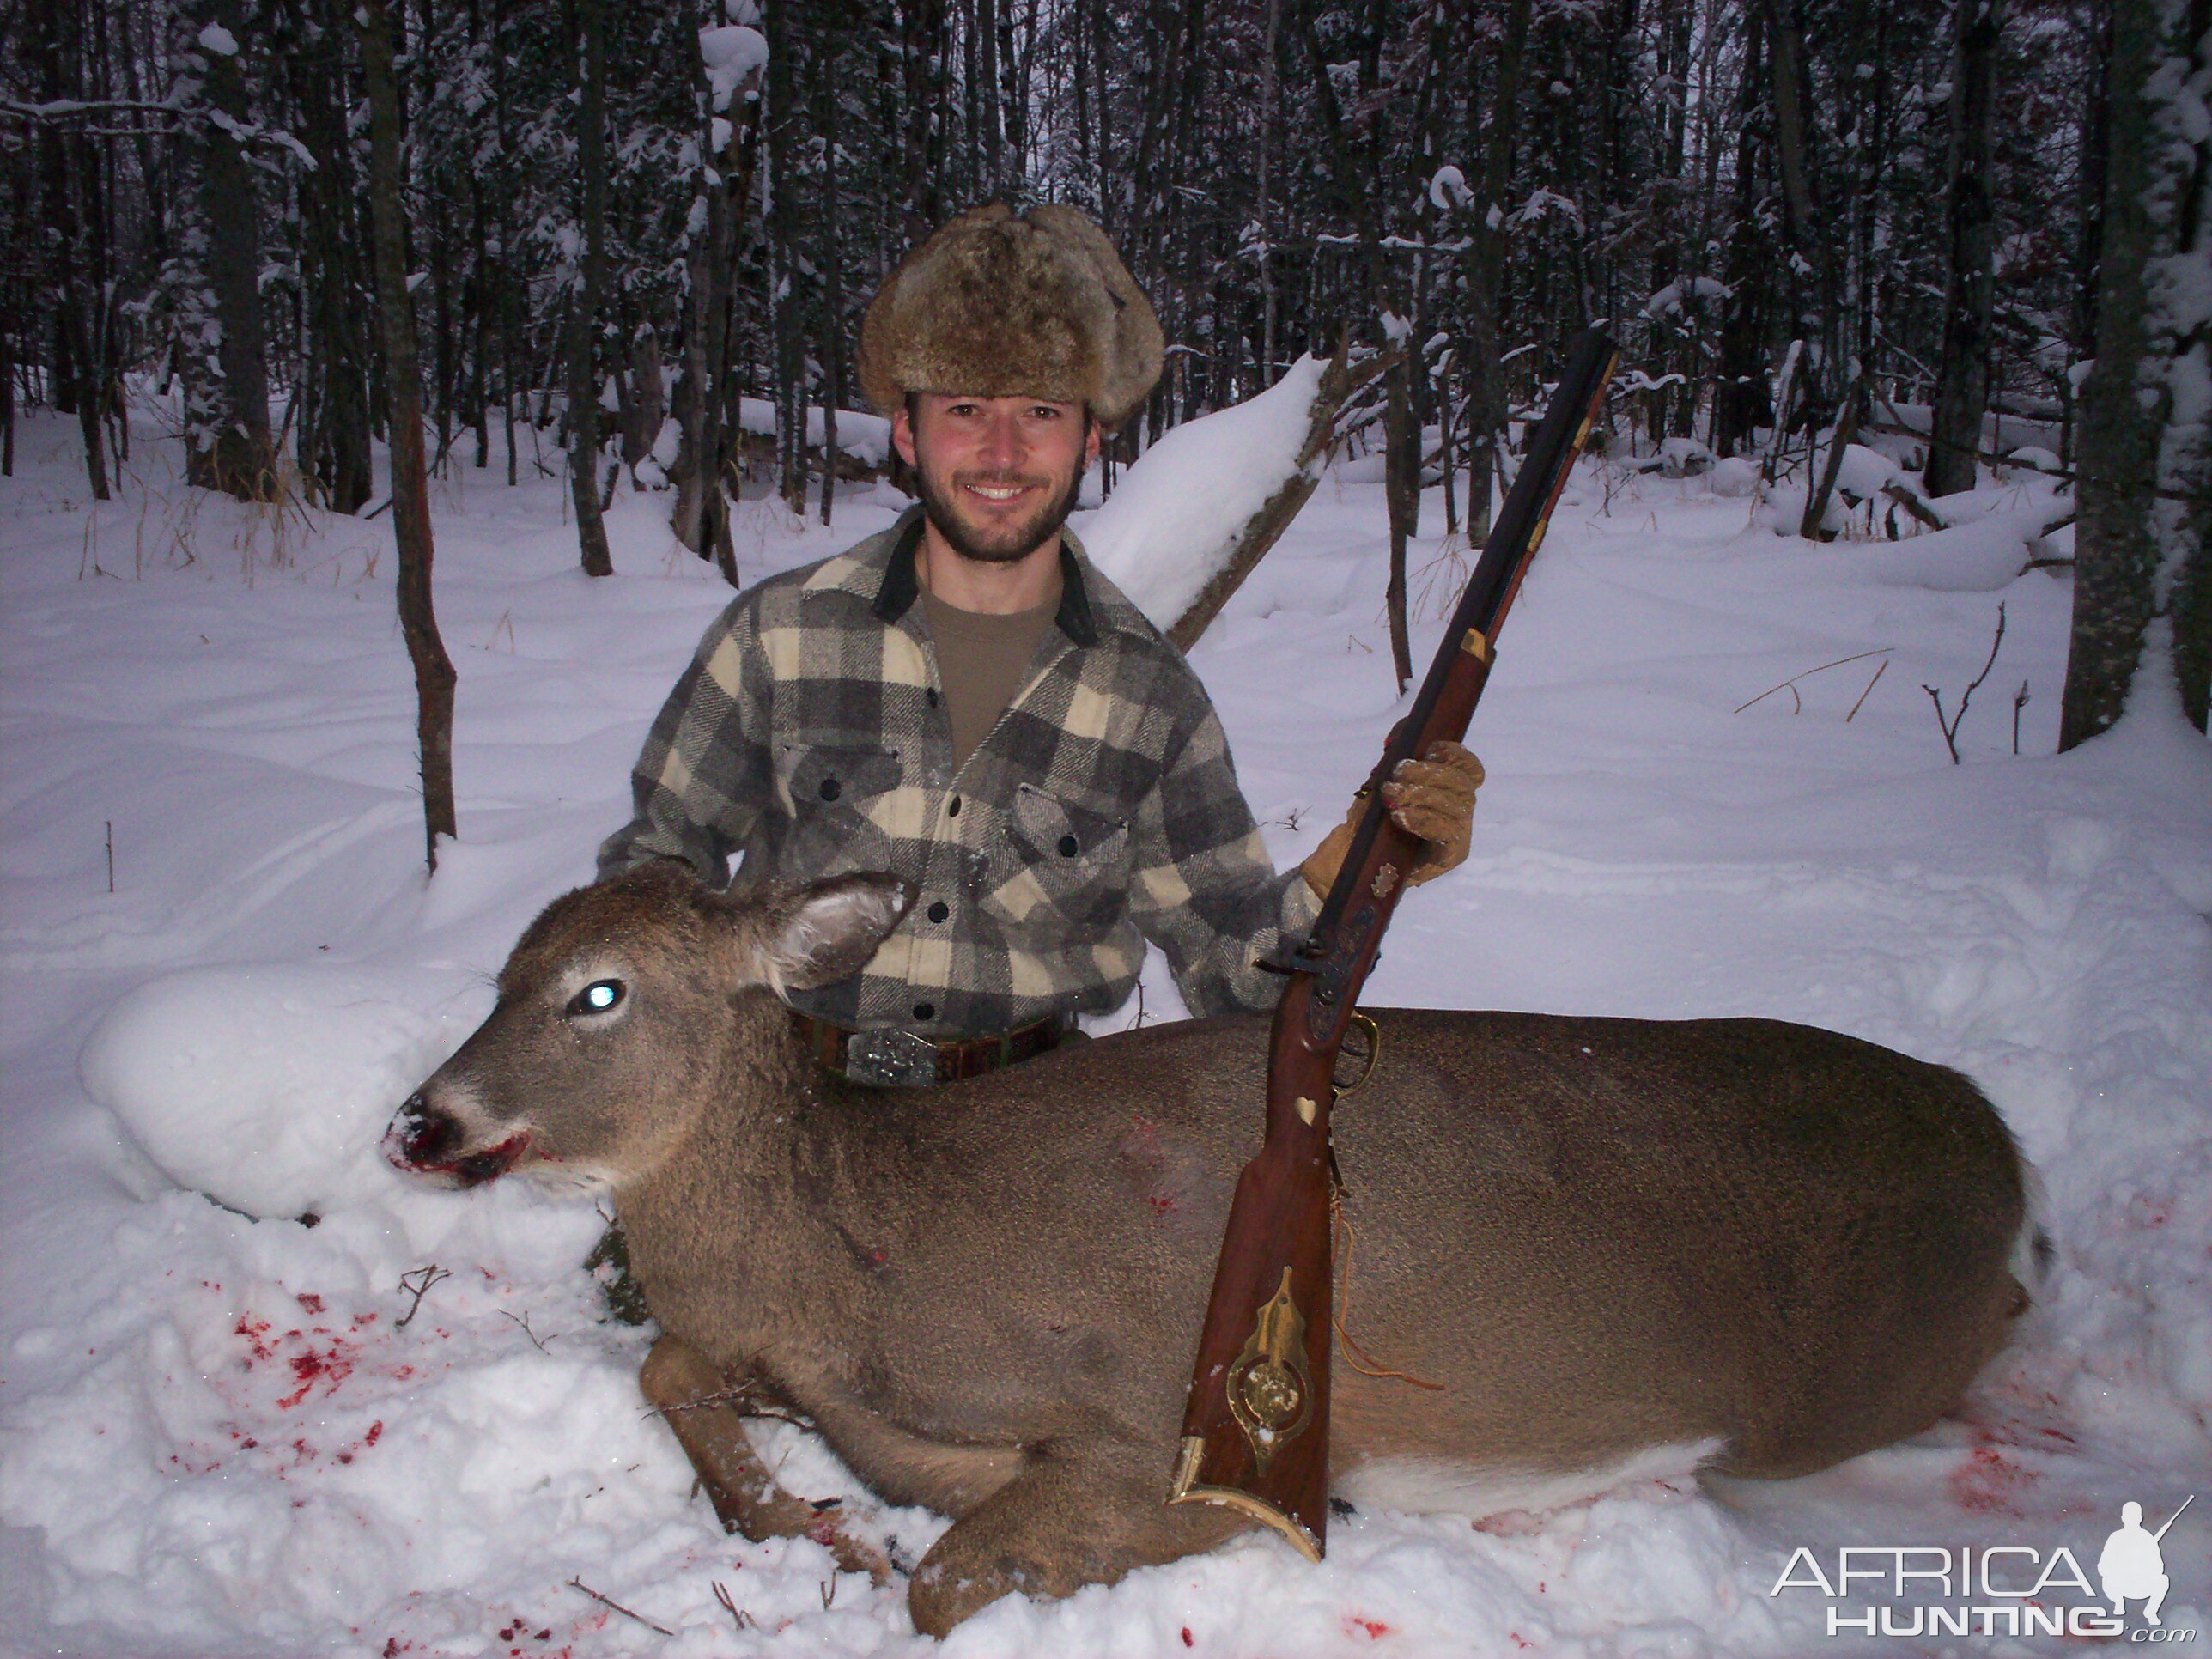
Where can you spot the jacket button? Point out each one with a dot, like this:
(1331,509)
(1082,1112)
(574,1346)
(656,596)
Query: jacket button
(828,788)
(952,807)
(937,912)
(924,1011)
(1068,848)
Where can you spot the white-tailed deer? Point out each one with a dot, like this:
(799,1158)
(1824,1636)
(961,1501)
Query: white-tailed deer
(1615,1247)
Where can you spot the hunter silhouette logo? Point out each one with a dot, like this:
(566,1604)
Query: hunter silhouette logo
(2132,1565)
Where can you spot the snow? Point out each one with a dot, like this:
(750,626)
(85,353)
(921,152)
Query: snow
(1173,520)
(731,52)
(1670,298)
(216,1437)
(1734,476)
(219,40)
(669,440)
(1447,189)
(266,1088)
(1684,457)
(1865,473)
(866,437)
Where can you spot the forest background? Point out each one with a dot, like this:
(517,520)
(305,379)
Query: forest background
(516,233)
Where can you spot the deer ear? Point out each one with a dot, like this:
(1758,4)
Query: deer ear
(826,932)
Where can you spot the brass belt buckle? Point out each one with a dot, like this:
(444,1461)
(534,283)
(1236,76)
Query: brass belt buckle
(890,1059)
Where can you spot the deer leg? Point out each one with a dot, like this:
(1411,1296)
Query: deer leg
(1078,1513)
(704,1407)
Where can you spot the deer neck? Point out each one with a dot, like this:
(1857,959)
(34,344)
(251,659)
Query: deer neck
(730,1223)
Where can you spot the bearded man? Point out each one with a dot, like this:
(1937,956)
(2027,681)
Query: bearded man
(965,701)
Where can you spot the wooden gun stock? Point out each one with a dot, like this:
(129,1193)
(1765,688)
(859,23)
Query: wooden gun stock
(1255,1431)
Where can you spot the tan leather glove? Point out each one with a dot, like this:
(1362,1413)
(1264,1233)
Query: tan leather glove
(1432,797)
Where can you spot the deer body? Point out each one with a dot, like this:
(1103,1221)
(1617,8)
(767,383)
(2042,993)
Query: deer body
(1616,1246)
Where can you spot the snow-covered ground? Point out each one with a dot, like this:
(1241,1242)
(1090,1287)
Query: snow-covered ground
(225,1434)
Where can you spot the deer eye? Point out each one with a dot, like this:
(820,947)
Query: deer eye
(599,996)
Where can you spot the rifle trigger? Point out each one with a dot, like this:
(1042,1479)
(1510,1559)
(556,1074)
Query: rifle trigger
(1366,1022)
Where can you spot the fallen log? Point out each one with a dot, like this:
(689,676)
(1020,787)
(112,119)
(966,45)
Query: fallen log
(1181,565)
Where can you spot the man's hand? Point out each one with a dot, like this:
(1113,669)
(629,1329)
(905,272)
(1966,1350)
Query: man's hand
(1432,797)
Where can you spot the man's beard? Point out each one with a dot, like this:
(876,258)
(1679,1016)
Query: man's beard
(1008,546)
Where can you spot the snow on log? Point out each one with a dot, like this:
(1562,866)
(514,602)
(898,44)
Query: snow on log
(732,52)
(1197,511)
(265,1087)
(1979,556)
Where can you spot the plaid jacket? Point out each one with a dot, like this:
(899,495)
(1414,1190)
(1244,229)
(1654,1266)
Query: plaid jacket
(809,734)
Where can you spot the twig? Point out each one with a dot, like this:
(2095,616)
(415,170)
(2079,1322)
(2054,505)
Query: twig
(525,1322)
(828,1590)
(111,853)
(2019,702)
(745,1397)
(578,1584)
(428,1276)
(1951,731)
(743,1619)
(1910,500)
(1790,685)
(1881,668)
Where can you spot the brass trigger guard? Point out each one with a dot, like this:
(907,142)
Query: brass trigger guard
(1374,1052)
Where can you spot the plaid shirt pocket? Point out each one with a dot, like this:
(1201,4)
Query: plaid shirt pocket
(1069,859)
(827,794)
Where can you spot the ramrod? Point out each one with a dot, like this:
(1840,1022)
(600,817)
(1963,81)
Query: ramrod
(1619,1248)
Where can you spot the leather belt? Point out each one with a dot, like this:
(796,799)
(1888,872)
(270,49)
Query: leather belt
(888,1058)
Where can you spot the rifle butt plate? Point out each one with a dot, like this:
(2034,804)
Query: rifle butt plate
(1188,1489)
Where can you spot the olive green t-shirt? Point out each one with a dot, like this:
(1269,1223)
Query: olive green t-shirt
(984,661)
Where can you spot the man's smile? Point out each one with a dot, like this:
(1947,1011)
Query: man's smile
(997,494)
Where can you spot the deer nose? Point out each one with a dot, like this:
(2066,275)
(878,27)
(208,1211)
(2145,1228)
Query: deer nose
(420,1137)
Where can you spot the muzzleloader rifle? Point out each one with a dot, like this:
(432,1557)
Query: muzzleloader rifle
(1255,1431)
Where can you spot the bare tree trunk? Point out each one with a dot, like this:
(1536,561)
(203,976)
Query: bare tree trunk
(78,377)
(508,299)
(1962,378)
(1401,490)
(921,61)
(334,447)
(2136,553)
(241,458)
(1810,268)
(831,216)
(647,396)
(1484,272)
(7,394)
(589,32)
(706,402)
(990,90)
(1270,117)
(410,495)
(1740,398)
(781,19)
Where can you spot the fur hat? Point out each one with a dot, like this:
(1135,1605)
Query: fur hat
(996,306)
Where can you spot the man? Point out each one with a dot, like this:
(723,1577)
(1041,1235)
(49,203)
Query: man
(964,701)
